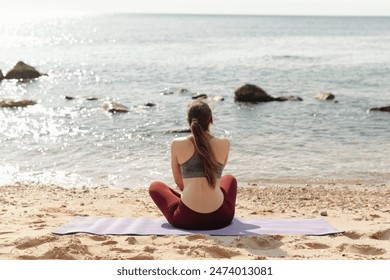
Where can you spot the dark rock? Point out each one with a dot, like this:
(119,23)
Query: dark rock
(183,90)
(325,96)
(89,98)
(289,98)
(22,71)
(1,75)
(199,96)
(92,98)
(180,130)
(114,107)
(324,213)
(252,93)
(11,103)
(380,109)
(147,105)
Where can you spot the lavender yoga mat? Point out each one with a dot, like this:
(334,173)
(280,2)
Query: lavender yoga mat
(159,226)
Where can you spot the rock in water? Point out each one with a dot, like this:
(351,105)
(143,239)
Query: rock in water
(89,98)
(380,109)
(289,98)
(218,98)
(199,96)
(252,93)
(23,71)
(180,130)
(183,90)
(11,103)
(325,96)
(114,107)
(92,98)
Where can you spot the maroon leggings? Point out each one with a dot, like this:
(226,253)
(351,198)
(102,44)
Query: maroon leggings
(179,215)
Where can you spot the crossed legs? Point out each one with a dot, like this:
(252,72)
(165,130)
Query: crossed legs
(167,199)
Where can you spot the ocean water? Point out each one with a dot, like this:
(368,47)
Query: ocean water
(134,59)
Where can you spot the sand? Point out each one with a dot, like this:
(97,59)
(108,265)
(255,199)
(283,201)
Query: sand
(30,212)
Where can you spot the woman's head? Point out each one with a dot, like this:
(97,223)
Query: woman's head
(199,118)
(199,112)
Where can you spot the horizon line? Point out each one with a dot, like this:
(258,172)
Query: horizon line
(243,14)
(81,12)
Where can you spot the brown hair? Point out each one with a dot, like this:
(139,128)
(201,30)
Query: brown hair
(199,117)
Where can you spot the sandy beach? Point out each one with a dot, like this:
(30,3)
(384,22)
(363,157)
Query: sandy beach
(29,213)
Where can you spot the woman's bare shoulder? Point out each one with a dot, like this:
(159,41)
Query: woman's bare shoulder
(223,140)
(180,139)
(221,143)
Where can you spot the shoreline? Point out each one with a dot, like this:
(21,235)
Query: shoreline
(30,212)
(374,181)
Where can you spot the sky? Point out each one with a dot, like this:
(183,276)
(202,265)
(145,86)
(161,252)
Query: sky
(255,7)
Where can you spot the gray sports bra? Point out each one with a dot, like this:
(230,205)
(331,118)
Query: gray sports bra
(193,168)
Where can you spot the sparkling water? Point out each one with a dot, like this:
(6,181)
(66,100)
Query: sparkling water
(136,59)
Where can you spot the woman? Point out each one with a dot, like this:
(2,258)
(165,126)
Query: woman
(207,200)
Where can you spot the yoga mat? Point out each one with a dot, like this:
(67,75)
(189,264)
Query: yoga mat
(160,226)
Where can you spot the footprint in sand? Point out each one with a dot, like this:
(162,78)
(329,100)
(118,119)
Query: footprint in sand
(195,253)
(120,250)
(353,234)
(71,251)
(106,240)
(163,241)
(38,224)
(261,242)
(131,240)
(142,257)
(182,246)
(27,242)
(381,235)
(74,249)
(196,237)
(149,249)
(219,252)
(6,232)
(315,245)
(181,249)
(361,249)
(99,238)
(110,242)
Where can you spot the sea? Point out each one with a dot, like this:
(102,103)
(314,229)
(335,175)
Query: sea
(165,59)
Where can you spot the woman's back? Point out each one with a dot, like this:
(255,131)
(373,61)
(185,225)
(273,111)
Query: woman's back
(197,193)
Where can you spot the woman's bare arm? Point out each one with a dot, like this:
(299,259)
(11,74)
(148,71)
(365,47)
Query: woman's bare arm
(175,166)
